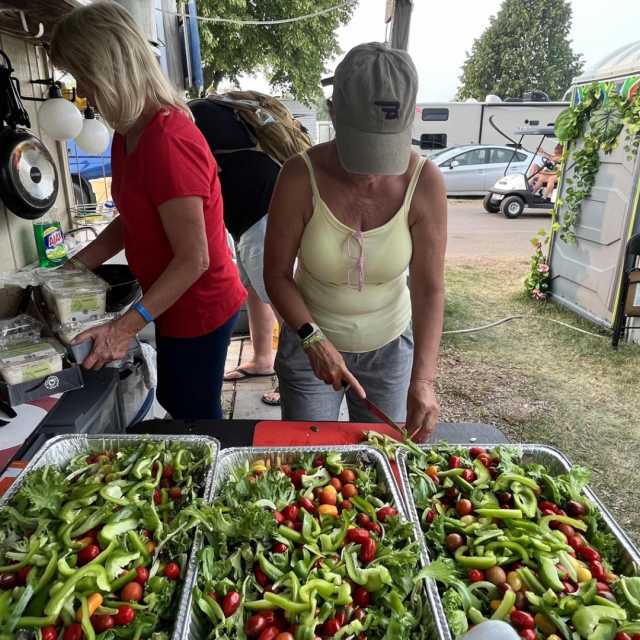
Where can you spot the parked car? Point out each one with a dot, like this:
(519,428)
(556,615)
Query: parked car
(471,170)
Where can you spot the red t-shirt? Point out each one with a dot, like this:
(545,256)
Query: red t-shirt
(173,160)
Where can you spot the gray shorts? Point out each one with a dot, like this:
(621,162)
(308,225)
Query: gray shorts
(250,258)
(384,373)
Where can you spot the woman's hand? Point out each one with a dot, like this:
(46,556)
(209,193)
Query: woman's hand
(110,342)
(423,410)
(329,366)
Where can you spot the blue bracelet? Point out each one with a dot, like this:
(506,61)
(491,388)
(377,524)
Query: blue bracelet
(146,316)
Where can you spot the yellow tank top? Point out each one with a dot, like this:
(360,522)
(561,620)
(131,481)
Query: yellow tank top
(354,283)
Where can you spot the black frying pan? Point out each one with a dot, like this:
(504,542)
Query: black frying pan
(28,175)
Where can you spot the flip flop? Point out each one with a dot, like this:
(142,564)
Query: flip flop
(245,375)
(271,403)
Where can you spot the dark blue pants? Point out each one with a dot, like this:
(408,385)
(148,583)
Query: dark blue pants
(190,373)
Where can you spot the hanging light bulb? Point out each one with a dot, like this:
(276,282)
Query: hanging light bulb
(59,117)
(94,137)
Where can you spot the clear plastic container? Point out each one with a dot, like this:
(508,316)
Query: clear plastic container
(30,360)
(22,328)
(76,299)
(68,333)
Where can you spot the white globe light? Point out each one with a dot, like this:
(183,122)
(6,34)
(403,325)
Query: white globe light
(94,137)
(60,119)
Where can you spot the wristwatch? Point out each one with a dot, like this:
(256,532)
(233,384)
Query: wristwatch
(307,330)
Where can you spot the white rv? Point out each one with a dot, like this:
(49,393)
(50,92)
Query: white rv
(438,125)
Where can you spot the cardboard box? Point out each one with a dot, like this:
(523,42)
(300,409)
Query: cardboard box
(632,304)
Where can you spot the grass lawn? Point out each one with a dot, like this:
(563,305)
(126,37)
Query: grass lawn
(541,382)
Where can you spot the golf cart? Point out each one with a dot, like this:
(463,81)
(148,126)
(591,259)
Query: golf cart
(512,193)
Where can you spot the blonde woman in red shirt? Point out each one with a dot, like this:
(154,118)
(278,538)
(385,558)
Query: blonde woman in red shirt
(167,191)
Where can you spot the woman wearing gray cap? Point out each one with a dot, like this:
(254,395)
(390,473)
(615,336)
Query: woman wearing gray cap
(358,212)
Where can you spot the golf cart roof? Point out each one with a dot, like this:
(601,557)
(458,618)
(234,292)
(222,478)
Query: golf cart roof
(536,131)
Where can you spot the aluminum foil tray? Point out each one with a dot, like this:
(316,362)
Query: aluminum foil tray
(61,449)
(196,628)
(557,463)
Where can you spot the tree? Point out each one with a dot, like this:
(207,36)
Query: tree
(525,47)
(292,55)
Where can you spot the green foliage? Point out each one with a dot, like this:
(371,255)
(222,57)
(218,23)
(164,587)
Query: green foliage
(526,46)
(292,55)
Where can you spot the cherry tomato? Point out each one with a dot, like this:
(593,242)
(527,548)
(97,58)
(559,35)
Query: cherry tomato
(346,504)
(318,461)
(602,586)
(375,528)
(231,603)
(280,547)
(285,635)
(359,614)
(361,597)
(567,530)
(588,553)
(172,571)
(469,475)
(494,471)
(131,591)
(522,620)
(278,517)
(475,575)
(331,627)
(296,478)
(142,575)
(167,471)
(528,634)
(175,493)
(270,633)
(261,577)
(286,469)
(569,588)
(485,459)
(386,512)
(157,496)
(8,581)
(368,550)
(575,509)
(291,512)
(73,632)
(547,505)
(23,574)
(430,516)
(255,625)
(505,498)
(88,554)
(474,452)
(575,541)
(102,622)
(357,535)
(336,484)
(454,462)
(49,633)
(328,496)
(363,520)
(621,635)
(464,507)
(349,490)
(454,541)
(347,476)
(307,505)
(432,472)
(126,615)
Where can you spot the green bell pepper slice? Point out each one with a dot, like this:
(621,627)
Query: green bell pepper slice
(506,479)
(87,627)
(54,606)
(549,574)
(475,562)
(500,514)
(504,610)
(280,602)
(512,546)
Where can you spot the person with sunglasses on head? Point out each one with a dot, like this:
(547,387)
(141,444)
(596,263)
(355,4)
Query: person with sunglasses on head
(359,213)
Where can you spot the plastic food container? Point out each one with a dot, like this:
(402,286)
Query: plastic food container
(68,332)
(30,360)
(76,299)
(22,328)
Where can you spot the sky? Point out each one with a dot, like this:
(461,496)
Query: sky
(442,31)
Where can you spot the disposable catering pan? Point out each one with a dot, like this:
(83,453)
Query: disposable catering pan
(231,459)
(556,463)
(62,449)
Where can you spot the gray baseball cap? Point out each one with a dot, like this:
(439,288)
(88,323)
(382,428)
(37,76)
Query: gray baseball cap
(374,101)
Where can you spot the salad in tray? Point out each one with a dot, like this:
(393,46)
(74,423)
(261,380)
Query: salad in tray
(88,549)
(305,550)
(508,541)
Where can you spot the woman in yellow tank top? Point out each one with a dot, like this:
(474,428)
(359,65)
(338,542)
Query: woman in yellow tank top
(358,213)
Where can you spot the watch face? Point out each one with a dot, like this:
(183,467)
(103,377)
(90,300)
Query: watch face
(305,331)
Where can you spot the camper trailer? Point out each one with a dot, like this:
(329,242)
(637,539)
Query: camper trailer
(439,125)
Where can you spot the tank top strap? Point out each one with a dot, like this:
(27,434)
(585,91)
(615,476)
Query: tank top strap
(312,177)
(413,183)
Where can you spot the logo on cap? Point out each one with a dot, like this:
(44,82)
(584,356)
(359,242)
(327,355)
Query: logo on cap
(391,109)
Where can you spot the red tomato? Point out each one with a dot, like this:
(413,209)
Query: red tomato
(278,517)
(285,635)
(172,571)
(589,554)
(363,520)
(621,635)
(347,476)
(375,528)
(331,627)
(142,575)
(548,505)
(474,452)
(336,484)
(131,591)
(307,505)
(528,634)
(255,625)
(567,530)
(175,493)
(291,512)
(359,614)
(464,507)
(167,471)
(569,588)
(8,581)
(49,633)
(280,547)
(485,459)
(357,535)
(88,554)
(157,496)
(73,632)
(286,469)
(494,471)
(430,516)
(361,597)
(386,512)
(346,504)
(368,550)
(261,577)
(475,575)
(23,573)
(602,587)
(469,475)
(522,620)
(349,490)
(270,633)
(231,603)
(575,509)
(575,541)
(318,461)
(328,496)
(597,570)
(454,462)
(102,622)
(296,478)
(126,615)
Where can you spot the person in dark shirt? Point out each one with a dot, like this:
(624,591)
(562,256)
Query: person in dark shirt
(247,178)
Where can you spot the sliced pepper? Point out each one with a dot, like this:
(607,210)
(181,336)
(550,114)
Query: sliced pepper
(549,574)
(504,610)
(475,562)
(54,607)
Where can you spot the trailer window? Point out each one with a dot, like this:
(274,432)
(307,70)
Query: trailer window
(433,141)
(435,115)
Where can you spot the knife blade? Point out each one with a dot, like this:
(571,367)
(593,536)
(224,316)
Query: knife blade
(381,415)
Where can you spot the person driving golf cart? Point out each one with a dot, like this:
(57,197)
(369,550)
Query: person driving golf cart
(543,179)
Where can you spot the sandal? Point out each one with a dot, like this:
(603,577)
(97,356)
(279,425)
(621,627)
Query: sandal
(272,398)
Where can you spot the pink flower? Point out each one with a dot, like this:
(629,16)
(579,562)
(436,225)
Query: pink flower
(538,295)
(543,268)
